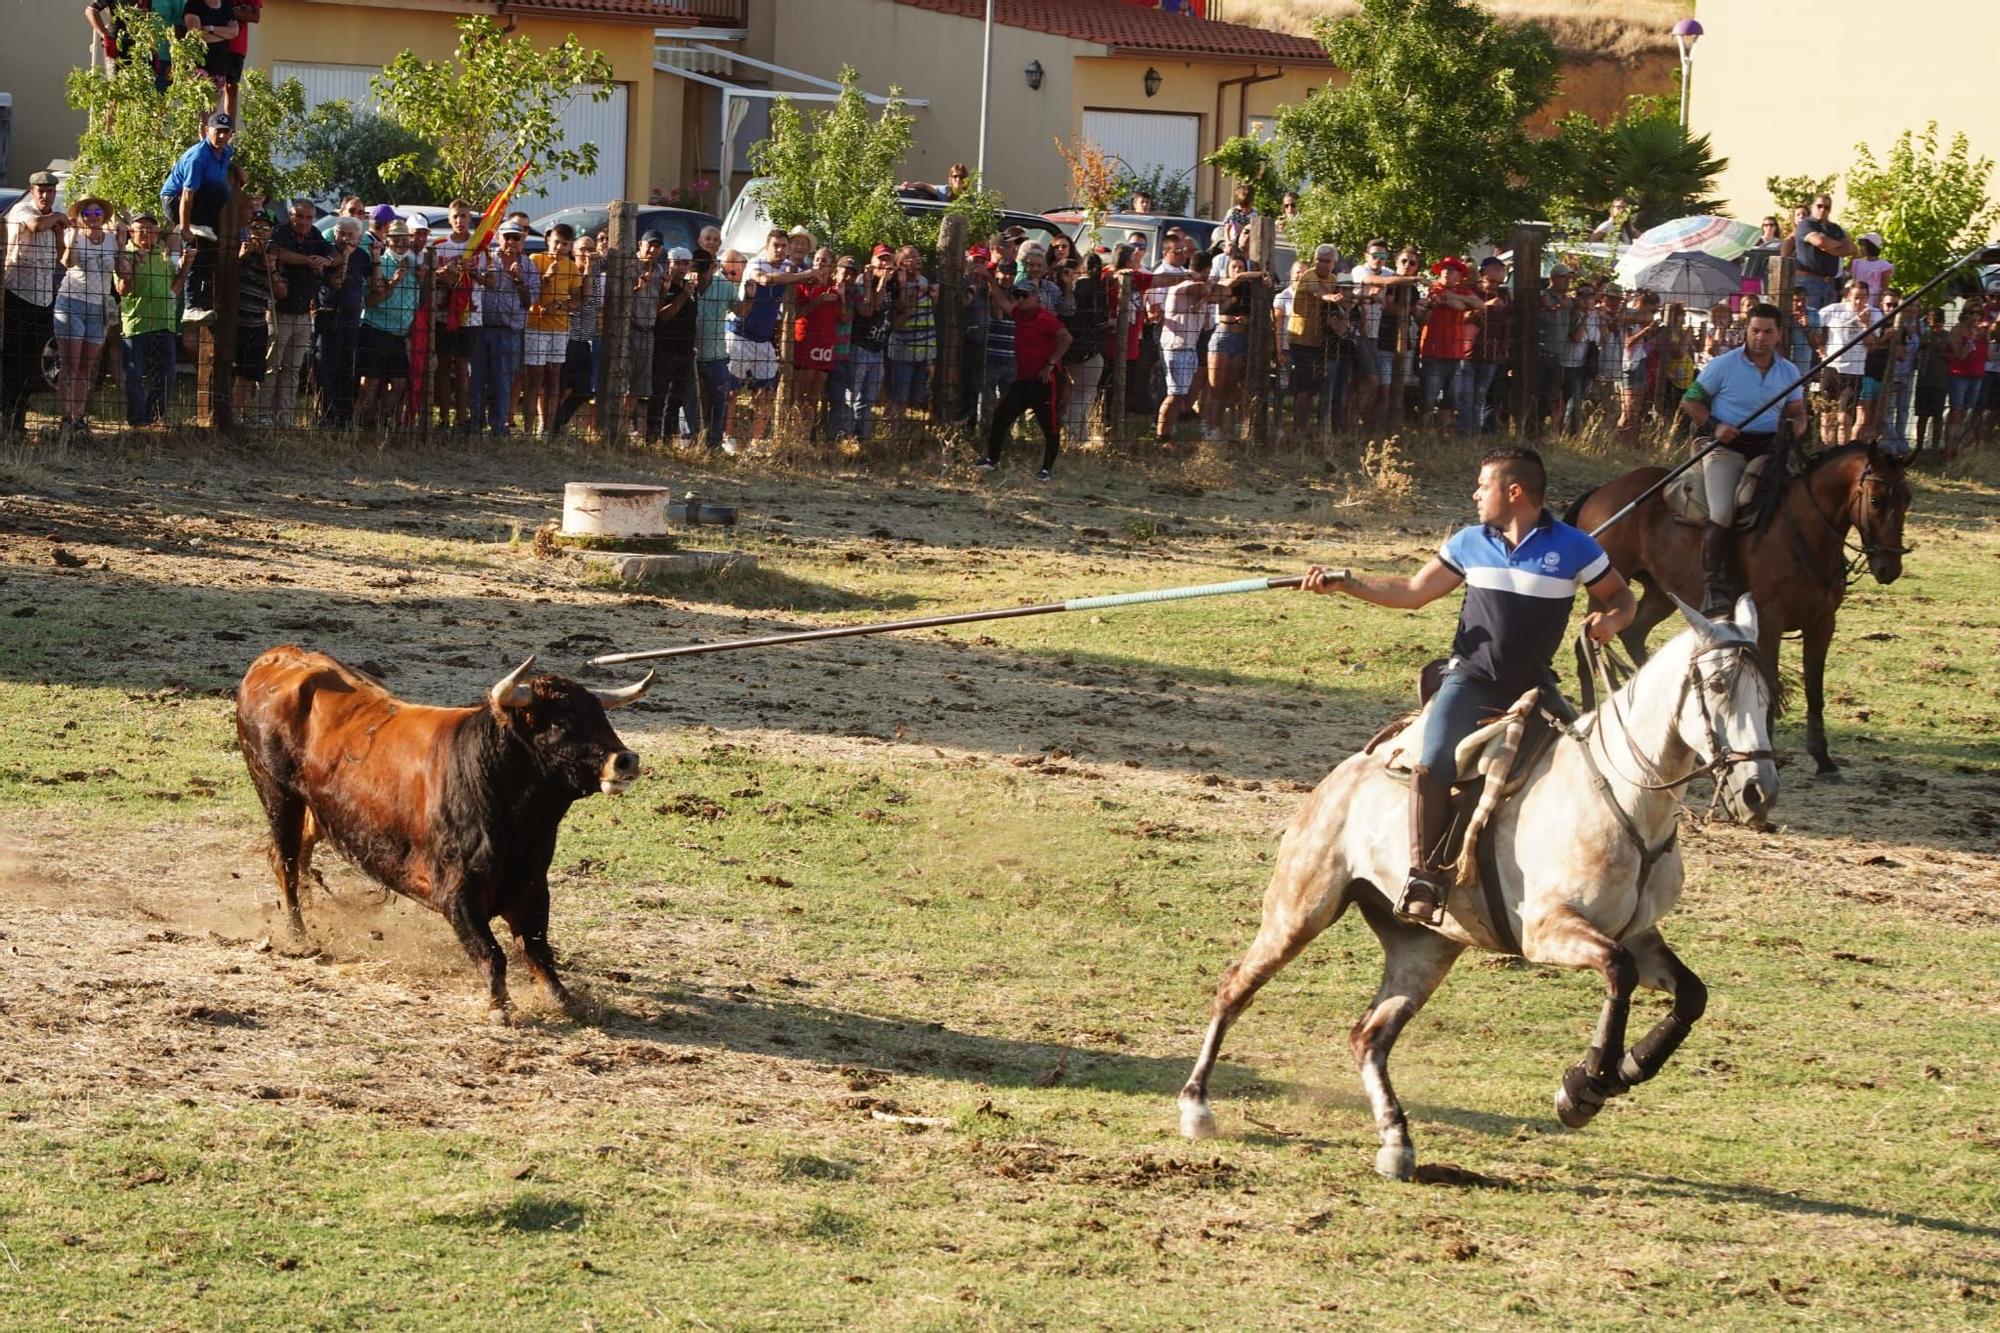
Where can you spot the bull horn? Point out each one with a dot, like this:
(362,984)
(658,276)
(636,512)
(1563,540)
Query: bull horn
(629,694)
(510,692)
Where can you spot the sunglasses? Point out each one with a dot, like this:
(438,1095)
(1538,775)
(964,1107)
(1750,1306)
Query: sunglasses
(93,212)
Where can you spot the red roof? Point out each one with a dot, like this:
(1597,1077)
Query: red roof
(649,12)
(1128,27)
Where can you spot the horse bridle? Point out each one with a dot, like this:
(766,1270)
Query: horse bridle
(1859,552)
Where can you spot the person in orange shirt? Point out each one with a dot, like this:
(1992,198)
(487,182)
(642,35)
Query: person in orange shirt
(545,344)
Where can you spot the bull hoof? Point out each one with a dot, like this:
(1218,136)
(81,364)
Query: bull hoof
(1197,1121)
(500,1016)
(1396,1163)
(1579,1097)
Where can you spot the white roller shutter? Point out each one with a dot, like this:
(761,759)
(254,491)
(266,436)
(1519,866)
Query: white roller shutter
(584,121)
(1143,140)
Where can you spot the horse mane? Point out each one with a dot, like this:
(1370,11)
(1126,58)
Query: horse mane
(1825,456)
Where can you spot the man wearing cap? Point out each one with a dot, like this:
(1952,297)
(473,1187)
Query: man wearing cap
(302,255)
(1494,346)
(1449,315)
(194,194)
(1040,341)
(1315,293)
(1554,334)
(455,318)
(508,285)
(1723,395)
(677,349)
(35,229)
(385,328)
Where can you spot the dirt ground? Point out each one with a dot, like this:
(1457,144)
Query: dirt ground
(147,959)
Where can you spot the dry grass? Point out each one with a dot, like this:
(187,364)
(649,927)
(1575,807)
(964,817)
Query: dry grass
(1613,29)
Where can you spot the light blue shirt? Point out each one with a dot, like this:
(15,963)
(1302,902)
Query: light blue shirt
(1733,387)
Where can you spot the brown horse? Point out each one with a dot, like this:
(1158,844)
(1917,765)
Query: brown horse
(1796,566)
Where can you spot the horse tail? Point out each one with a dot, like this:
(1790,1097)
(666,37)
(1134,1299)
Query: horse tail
(1576,506)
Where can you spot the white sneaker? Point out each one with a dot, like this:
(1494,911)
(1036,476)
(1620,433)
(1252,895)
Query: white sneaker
(195,314)
(729,445)
(204,233)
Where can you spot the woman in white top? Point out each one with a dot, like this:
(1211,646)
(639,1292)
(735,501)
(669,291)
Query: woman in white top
(83,306)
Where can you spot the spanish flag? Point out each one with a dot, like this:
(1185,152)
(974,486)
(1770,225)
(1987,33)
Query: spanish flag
(459,302)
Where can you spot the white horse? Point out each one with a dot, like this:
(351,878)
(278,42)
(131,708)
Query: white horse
(1586,857)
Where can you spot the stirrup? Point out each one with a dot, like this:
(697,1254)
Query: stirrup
(1717,602)
(1422,902)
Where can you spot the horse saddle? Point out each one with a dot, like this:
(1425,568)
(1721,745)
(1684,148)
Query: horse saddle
(1686,497)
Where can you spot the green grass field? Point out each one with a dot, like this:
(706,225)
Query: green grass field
(895,957)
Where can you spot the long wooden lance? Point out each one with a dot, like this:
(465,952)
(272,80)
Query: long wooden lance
(1985,254)
(1180,594)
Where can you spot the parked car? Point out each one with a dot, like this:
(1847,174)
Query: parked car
(748,223)
(677,226)
(1117,226)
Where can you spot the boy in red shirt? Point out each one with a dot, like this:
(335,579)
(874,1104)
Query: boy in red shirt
(1040,340)
(814,333)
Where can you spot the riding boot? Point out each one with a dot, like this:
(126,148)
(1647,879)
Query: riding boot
(1718,595)
(1430,879)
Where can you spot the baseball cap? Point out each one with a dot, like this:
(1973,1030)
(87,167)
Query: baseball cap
(1874,238)
(880,250)
(383,213)
(221,121)
(1026,289)
(681,252)
(977,252)
(1326,251)
(511,229)
(654,238)
(1562,271)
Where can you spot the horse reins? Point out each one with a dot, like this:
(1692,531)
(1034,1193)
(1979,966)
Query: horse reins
(1863,550)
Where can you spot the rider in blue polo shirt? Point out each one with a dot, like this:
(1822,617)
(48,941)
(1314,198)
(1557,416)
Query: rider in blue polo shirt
(1521,567)
(1729,390)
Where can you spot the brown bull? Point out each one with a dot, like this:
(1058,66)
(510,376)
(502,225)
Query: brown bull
(454,807)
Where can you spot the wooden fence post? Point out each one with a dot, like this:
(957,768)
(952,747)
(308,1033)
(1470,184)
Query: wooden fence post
(620,247)
(425,393)
(1399,304)
(215,340)
(1779,273)
(1527,358)
(949,313)
(1259,356)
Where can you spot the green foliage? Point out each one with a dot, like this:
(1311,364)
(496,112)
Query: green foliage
(1254,164)
(1169,190)
(1790,192)
(1644,155)
(353,154)
(1427,142)
(834,173)
(497,103)
(133,133)
(1929,204)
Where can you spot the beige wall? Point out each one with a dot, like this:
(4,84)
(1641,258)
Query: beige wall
(351,34)
(40,48)
(1895,71)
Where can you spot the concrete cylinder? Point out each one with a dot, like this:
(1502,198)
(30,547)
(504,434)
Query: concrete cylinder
(614,509)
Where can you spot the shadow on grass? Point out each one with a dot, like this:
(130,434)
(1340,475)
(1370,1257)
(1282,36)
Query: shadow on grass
(1793,1203)
(759,589)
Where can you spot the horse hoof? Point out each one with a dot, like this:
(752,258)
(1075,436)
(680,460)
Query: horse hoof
(1830,774)
(1579,1097)
(1197,1121)
(1398,1163)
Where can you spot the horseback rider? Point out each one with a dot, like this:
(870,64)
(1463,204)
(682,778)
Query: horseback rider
(1726,391)
(1521,567)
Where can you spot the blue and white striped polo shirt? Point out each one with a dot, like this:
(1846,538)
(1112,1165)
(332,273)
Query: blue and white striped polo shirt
(1517,599)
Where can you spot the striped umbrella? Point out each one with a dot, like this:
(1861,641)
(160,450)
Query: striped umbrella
(1724,238)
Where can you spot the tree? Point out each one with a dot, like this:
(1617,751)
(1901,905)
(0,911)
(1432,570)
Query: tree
(1427,142)
(1793,192)
(1168,189)
(834,173)
(1930,206)
(352,154)
(1644,155)
(495,104)
(1253,163)
(1093,179)
(133,133)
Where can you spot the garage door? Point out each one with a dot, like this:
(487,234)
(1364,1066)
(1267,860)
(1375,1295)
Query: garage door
(1143,140)
(584,121)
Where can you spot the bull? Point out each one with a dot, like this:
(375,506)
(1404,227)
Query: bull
(456,808)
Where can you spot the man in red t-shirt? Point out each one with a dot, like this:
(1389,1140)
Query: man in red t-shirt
(817,301)
(1040,340)
(1448,312)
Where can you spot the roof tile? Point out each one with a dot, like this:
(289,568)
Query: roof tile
(1130,27)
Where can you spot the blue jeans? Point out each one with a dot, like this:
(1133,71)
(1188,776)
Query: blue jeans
(1820,292)
(1441,373)
(1483,375)
(1460,707)
(839,419)
(907,382)
(864,386)
(714,385)
(496,356)
(149,376)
